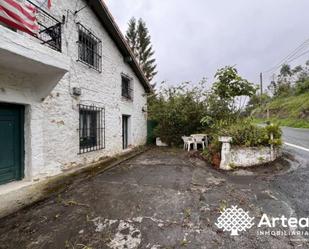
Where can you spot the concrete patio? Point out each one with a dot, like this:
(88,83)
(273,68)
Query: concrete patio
(162,198)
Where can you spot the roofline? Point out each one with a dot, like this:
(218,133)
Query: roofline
(102,12)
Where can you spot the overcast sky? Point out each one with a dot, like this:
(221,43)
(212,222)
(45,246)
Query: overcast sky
(192,39)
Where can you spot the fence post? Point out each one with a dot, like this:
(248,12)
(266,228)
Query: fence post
(225,152)
(272,153)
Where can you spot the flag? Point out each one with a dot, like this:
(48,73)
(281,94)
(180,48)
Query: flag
(21,16)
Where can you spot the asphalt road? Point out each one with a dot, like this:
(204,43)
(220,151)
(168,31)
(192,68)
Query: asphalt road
(297,137)
(296,142)
(293,186)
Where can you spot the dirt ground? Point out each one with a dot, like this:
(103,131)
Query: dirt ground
(163,198)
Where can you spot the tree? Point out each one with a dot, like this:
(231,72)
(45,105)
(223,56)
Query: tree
(230,88)
(131,35)
(290,81)
(224,103)
(230,85)
(139,41)
(255,101)
(302,82)
(177,111)
(286,70)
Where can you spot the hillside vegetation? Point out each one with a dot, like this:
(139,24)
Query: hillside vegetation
(287,103)
(290,111)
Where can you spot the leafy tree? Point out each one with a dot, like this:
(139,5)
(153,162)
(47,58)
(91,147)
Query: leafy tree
(302,86)
(230,85)
(285,86)
(178,111)
(222,102)
(281,88)
(302,82)
(297,69)
(286,70)
(255,101)
(139,41)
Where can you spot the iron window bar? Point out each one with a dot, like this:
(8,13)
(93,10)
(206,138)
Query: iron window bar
(91,128)
(126,90)
(50,28)
(89,48)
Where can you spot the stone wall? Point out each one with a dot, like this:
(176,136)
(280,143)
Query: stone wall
(252,156)
(51,130)
(234,156)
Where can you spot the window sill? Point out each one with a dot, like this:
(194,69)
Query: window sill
(126,99)
(99,70)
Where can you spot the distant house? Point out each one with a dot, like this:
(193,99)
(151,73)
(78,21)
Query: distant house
(69,95)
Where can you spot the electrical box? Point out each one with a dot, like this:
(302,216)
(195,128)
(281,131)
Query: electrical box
(77,91)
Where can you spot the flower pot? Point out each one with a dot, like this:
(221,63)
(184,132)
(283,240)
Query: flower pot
(216,160)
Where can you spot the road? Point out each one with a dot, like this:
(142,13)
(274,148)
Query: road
(293,186)
(296,138)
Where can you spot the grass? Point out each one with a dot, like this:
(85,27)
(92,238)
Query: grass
(286,111)
(296,123)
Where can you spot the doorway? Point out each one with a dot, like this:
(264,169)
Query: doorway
(11,142)
(125,131)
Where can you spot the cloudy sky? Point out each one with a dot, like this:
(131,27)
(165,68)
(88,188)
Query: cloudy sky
(194,38)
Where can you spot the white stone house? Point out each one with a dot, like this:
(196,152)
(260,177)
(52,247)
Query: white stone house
(71,97)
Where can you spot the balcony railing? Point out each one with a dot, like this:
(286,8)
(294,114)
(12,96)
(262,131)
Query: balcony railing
(50,28)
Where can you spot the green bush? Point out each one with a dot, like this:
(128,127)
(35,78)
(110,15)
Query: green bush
(302,86)
(245,133)
(187,109)
(177,111)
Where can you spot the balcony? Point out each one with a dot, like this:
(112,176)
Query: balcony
(35,61)
(50,28)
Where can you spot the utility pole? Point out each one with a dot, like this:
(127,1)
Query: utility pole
(261,87)
(261,83)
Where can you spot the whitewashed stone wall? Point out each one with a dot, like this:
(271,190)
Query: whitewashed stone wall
(253,156)
(237,156)
(51,129)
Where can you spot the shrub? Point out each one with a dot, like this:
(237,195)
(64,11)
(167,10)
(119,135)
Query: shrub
(177,111)
(245,133)
(302,86)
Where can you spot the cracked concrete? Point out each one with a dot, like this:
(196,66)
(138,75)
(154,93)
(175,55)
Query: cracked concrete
(160,199)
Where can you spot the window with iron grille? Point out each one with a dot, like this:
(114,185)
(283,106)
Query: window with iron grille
(126,87)
(91,128)
(89,48)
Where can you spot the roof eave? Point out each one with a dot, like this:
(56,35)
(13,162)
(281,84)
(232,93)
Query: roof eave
(107,20)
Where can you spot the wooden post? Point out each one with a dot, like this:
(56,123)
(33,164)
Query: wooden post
(272,153)
(261,88)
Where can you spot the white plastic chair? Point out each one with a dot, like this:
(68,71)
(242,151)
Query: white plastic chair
(187,141)
(199,140)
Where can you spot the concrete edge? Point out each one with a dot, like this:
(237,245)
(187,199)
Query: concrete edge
(31,194)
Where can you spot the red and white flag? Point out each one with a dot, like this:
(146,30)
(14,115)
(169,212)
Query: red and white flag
(21,16)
